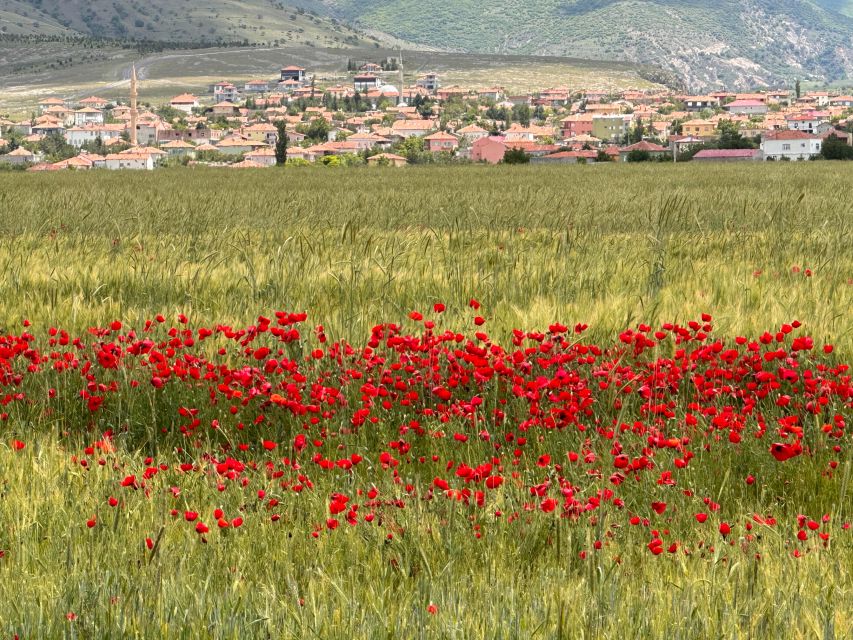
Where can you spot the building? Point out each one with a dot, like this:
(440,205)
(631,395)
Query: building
(700,103)
(747,107)
(428,81)
(263,156)
(441,141)
(388,159)
(225,92)
(296,74)
(699,128)
(88,115)
(134,161)
(49,103)
(728,155)
(655,151)
(179,149)
(410,128)
(790,145)
(808,122)
(576,125)
(185,102)
(490,149)
(609,128)
(472,133)
(19,156)
(256,86)
(364,82)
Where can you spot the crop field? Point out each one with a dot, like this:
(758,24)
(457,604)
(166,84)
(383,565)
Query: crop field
(455,402)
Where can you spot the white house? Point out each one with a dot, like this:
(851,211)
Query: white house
(225,92)
(185,102)
(137,161)
(790,145)
(88,115)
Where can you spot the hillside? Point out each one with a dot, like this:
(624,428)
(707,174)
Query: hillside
(190,21)
(736,42)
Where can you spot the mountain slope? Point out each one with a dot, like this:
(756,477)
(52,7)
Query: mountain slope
(740,42)
(257,21)
(708,43)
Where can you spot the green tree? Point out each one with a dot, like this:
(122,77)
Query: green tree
(521,114)
(639,155)
(516,156)
(280,143)
(730,137)
(797,89)
(637,132)
(835,148)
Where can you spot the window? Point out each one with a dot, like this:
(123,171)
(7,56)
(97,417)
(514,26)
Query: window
(786,147)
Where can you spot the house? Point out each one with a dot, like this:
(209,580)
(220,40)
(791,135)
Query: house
(655,151)
(256,86)
(820,98)
(185,102)
(388,159)
(94,102)
(365,141)
(841,101)
(293,73)
(236,145)
(699,128)
(364,82)
(748,107)
(135,161)
(88,115)
(728,155)
(472,133)
(609,127)
(441,141)
(49,103)
(225,109)
(808,122)
(790,145)
(428,81)
(179,149)
(370,67)
(264,157)
(410,128)
(262,132)
(576,125)
(493,94)
(19,156)
(700,103)
(490,149)
(107,133)
(225,92)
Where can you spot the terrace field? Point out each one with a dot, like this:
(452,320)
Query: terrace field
(504,473)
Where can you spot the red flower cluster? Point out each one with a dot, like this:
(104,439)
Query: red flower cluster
(568,426)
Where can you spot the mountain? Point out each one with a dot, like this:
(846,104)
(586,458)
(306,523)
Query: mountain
(179,21)
(708,43)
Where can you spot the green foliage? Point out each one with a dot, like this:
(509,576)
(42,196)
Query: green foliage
(281,143)
(638,155)
(516,156)
(834,148)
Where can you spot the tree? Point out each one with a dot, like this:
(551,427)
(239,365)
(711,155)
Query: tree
(797,89)
(281,144)
(521,114)
(835,148)
(516,156)
(639,155)
(637,132)
(731,137)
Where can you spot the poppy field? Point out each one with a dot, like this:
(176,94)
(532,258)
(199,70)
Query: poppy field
(458,403)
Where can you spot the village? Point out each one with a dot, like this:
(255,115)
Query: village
(369,120)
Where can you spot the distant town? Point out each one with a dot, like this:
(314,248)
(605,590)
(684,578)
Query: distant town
(374,119)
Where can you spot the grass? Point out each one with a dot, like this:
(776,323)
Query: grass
(610,246)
